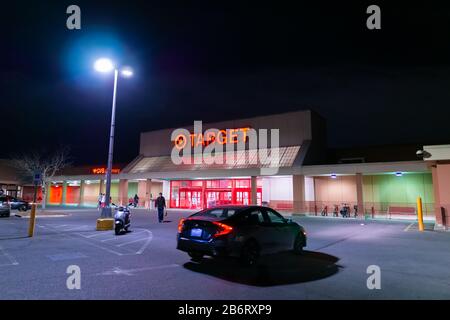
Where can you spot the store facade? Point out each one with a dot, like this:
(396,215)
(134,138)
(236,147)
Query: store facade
(303,181)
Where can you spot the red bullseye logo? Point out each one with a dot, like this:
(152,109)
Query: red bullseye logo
(180,141)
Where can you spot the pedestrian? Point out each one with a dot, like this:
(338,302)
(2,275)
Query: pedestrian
(160,204)
(99,199)
(103,201)
(136,200)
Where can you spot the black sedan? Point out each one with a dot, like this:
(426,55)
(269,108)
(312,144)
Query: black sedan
(245,232)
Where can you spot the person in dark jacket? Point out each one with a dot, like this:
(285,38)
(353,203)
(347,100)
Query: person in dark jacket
(135,200)
(160,204)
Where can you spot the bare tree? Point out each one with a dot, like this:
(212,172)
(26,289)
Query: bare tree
(47,164)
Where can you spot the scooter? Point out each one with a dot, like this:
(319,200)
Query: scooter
(121,220)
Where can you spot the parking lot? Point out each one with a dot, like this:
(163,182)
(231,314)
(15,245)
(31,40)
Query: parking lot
(144,264)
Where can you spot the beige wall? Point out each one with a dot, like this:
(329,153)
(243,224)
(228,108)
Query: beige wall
(441,185)
(339,190)
(295,129)
(91,192)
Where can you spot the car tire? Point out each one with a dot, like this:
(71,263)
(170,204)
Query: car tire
(250,253)
(298,244)
(23,208)
(196,256)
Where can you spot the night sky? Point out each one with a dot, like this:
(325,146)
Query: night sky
(218,60)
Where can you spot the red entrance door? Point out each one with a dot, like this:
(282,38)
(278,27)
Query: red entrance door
(218,198)
(243,196)
(190,199)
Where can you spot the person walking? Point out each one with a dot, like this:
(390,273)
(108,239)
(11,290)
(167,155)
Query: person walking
(103,201)
(99,199)
(135,200)
(160,204)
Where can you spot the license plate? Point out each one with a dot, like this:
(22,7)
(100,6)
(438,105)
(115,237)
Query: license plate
(196,232)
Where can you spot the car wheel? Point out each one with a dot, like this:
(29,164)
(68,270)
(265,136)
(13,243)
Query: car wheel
(298,244)
(196,256)
(23,208)
(249,253)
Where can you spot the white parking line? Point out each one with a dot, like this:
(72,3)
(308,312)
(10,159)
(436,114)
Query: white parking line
(13,262)
(145,245)
(130,242)
(86,241)
(409,226)
(109,239)
(95,242)
(116,271)
(96,234)
(116,237)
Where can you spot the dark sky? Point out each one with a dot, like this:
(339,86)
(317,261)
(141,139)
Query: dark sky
(215,60)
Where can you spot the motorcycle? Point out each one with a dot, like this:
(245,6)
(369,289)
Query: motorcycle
(121,220)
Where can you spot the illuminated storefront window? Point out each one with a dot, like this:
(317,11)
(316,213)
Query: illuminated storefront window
(199,194)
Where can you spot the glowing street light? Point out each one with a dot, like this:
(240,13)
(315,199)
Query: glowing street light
(127,72)
(103,65)
(106,65)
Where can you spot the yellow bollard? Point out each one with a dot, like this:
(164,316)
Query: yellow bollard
(32,220)
(420,214)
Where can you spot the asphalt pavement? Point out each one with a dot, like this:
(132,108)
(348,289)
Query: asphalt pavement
(144,263)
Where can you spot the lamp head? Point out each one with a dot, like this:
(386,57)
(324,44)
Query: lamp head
(103,65)
(127,72)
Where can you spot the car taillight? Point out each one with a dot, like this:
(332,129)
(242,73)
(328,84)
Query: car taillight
(181,225)
(222,229)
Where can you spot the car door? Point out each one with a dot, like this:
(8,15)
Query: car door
(284,234)
(14,203)
(3,201)
(254,225)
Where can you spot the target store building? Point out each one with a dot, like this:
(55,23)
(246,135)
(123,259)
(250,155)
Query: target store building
(305,182)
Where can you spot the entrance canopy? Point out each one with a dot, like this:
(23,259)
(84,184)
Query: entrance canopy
(245,159)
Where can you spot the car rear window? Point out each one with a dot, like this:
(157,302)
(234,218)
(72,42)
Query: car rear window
(217,213)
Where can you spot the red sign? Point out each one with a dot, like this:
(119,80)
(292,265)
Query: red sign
(103,170)
(229,136)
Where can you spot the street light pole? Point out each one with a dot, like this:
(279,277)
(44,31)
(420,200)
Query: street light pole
(106,210)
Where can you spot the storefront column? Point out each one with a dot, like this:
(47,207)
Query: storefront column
(144,189)
(148,191)
(441,186)
(64,193)
(254,198)
(101,186)
(123,192)
(359,195)
(298,193)
(204,198)
(81,195)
